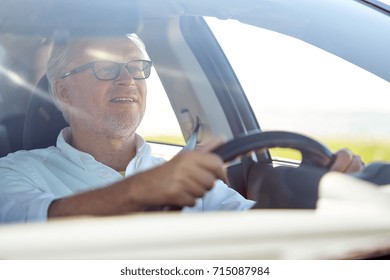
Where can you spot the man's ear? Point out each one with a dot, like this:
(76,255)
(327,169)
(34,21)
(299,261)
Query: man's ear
(62,92)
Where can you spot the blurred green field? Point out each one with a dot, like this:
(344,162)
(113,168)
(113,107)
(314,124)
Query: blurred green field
(368,150)
(170,139)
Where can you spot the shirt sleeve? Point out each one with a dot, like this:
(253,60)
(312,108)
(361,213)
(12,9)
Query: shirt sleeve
(221,198)
(20,200)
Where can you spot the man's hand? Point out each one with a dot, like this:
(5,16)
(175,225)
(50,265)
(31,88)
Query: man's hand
(186,177)
(179,182)
(347,162)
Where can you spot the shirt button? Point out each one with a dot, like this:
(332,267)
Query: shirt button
(83,157)
(104,173)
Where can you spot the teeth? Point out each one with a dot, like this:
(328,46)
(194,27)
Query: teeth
(123,99)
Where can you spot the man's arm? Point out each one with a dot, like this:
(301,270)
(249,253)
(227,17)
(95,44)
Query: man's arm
(178,182)
(182,180)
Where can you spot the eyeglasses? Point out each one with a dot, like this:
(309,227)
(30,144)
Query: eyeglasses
(108,70)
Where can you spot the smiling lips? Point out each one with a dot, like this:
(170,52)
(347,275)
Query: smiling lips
(123,99)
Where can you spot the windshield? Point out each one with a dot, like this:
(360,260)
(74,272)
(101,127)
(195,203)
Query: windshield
(383,4)
(294,86)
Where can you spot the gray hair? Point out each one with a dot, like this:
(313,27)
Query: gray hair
(60,57)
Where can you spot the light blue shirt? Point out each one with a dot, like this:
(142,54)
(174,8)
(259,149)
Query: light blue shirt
(31,180)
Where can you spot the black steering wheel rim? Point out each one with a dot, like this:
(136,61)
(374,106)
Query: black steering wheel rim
(313,152)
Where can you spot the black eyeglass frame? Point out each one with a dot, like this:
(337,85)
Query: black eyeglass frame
(92,66)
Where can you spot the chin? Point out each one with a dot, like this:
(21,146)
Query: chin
(124,126)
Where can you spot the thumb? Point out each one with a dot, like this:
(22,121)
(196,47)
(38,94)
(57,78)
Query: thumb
(212,144)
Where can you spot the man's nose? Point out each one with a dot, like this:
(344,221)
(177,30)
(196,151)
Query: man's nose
(125,77)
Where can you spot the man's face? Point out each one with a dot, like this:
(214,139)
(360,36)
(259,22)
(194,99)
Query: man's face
(111,108)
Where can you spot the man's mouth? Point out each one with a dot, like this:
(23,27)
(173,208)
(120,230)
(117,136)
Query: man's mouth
(123,99)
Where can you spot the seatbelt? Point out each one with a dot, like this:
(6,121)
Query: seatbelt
(193,139)
(190,146)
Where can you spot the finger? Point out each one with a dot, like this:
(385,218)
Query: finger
(204,182)
(212,144)
(214,164)
(197,176)
(188,173)
(344,158)
(208,162)
(183,193)
(195,186)
(184,199)
(356,164)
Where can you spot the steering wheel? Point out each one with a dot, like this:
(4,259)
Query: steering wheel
(278,195)
(313,152)
(283,186)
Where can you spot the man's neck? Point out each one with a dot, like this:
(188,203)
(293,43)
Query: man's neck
(115,152)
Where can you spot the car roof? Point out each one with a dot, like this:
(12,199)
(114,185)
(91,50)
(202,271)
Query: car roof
(354,30)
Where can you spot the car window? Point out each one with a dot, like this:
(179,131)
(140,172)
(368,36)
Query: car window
(384,4)
(297,87)
(160,124)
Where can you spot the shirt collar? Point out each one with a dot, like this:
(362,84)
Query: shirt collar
(71,153)
(81,158)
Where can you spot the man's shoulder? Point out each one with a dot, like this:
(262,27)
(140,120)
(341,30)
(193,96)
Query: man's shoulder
(26,156)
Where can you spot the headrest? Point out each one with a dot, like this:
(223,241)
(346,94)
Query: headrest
(43,120)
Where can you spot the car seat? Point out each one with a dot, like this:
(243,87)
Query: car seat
(43,120)
(11,130)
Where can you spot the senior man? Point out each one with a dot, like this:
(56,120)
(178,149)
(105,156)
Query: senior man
(100,166)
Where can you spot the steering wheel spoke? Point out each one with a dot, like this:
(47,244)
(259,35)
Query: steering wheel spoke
(281,187)
(313,152)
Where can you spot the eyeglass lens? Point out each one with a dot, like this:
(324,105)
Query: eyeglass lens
(106,70)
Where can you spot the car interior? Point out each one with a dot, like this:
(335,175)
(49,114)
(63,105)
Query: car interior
(205,97)
(181,47)
(36,122)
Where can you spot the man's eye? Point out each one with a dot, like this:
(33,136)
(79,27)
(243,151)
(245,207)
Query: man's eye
(135,69)
(106,70)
